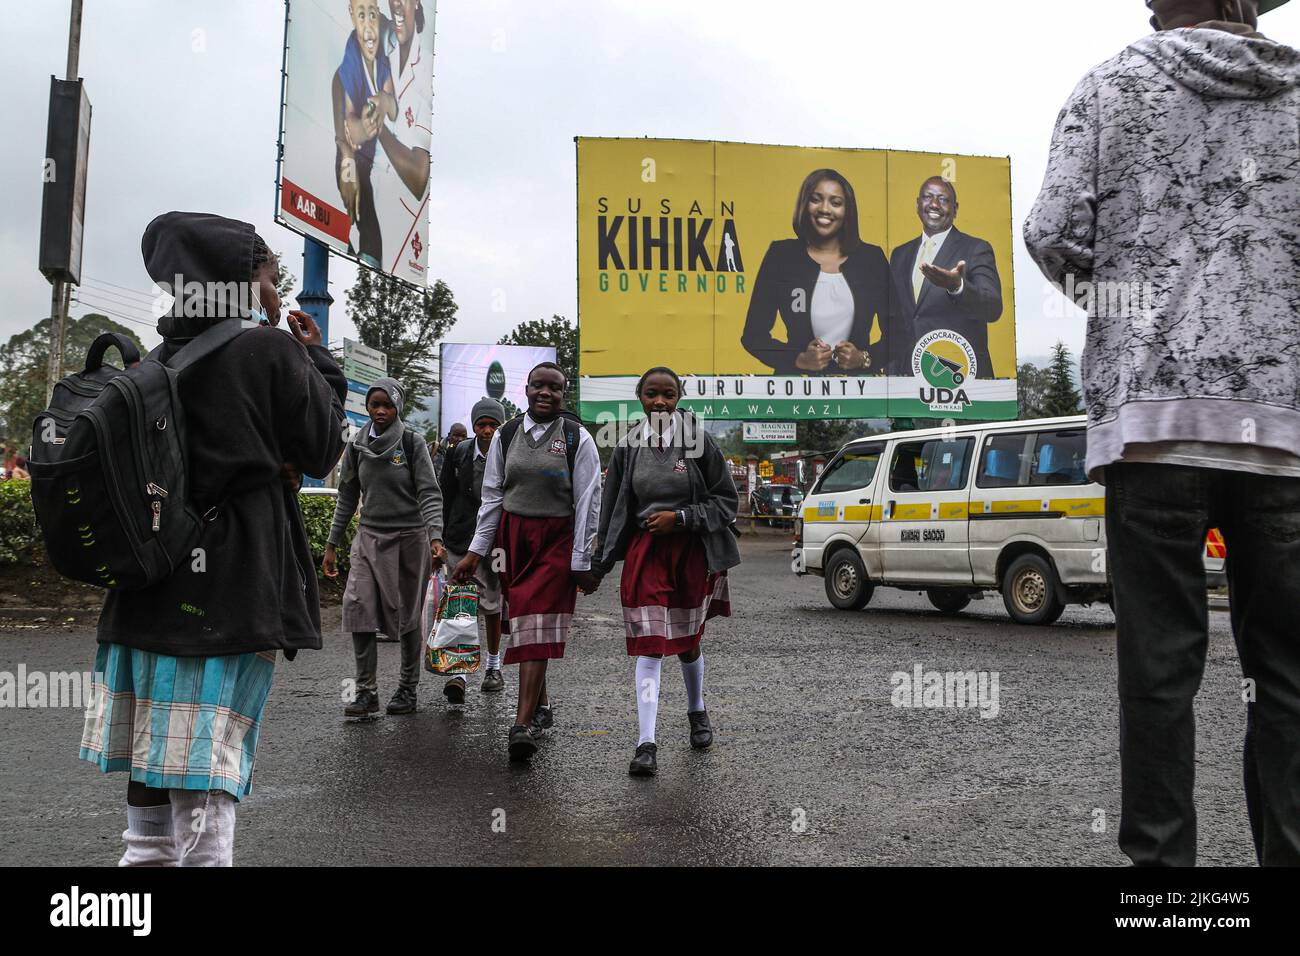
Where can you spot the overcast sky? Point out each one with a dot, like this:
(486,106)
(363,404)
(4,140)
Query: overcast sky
(515,81)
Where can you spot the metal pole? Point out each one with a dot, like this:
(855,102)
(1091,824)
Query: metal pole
(315,298)
(74,40)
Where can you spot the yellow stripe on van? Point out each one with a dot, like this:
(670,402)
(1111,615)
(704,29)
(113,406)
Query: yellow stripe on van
(810,514)
(911,511)
(862,512)
(953,511)
(1016,505)
(1078,507)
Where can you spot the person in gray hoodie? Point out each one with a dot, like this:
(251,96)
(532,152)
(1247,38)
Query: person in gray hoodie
(1171,213)
(398,543)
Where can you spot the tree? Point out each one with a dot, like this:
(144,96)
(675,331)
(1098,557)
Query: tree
(24,366)
(1031,390)
(285,281)
(1061,397)
(560,333)
(405,323)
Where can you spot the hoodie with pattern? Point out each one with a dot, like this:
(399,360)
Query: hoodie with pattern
(1171,212)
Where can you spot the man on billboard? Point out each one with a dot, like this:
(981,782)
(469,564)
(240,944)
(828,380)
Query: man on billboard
(946,279)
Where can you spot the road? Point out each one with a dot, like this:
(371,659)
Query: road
(813,764)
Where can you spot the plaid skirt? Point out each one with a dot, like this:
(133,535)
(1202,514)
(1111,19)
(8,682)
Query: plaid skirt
(177,723)
(538,587)
(668,593)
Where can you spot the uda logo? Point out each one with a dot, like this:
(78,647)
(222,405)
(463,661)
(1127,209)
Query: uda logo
(943,361)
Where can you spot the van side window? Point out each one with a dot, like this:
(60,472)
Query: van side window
(1006,461)
(933,465)
(1059,458)
(854,469)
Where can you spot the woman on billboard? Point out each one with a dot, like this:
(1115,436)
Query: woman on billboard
(827,285)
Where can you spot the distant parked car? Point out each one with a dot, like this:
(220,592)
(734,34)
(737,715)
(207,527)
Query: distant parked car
(778,503)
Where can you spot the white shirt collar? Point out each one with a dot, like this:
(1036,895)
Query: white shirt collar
(936,241)
(478,452)
(669,433)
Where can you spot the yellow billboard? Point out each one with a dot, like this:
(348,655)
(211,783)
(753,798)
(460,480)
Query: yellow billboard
(788,282)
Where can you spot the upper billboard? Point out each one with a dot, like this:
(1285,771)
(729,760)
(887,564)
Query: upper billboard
(358,101)
(786,283)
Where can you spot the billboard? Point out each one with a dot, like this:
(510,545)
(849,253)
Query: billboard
(470,372)
(790,283)
(356,129)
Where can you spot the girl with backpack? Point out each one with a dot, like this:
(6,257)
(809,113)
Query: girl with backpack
(397,545)
(187,662)
(668,514)
(540,503)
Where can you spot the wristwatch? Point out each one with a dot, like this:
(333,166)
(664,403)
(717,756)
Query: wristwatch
(681,519)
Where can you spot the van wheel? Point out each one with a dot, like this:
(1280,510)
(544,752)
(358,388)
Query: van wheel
(1029,591)
(847,586)
(948,600)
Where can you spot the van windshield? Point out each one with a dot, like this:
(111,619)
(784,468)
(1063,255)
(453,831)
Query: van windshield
(855,468)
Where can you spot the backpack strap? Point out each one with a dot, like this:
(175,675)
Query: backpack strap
(507,432)
(200,347)
(111,340)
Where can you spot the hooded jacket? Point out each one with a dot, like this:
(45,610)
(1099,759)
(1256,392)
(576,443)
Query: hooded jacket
(711,514)
(1171,212)
(393,472)
(262,400)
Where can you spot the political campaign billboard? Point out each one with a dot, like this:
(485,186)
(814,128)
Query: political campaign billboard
(787,283)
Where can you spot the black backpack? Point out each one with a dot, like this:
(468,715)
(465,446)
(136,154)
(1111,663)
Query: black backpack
(110,483)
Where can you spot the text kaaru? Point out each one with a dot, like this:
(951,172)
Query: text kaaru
(664,252)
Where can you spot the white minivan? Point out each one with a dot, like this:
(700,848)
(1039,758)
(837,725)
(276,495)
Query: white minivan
(961,510)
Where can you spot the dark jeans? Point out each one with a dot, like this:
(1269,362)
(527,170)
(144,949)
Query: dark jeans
(1157,517)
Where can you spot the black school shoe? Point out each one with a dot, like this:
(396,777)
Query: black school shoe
(454,690)
(403,701)
(543,718)
(492,681)
(521,745)
(644,763)
(701,729)
(366,703)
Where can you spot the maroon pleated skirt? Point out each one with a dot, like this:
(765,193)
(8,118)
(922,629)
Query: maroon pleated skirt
(668,593)
(538,587)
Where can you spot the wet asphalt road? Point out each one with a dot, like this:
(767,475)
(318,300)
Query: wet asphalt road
(799,694)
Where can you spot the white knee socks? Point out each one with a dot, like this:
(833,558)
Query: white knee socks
(148,837)
(196,829)
(204,824)
(693,674)
(648,670)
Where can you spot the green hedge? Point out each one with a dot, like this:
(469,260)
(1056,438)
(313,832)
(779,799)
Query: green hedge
(20,542)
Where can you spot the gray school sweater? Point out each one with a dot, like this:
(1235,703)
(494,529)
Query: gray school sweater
(398,494)
(1171,212)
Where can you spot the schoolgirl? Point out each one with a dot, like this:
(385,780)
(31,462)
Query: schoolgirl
(541,501)
(668,514)
(397,543)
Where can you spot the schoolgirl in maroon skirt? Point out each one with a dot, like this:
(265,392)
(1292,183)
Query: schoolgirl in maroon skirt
(668,512)
(540,504)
